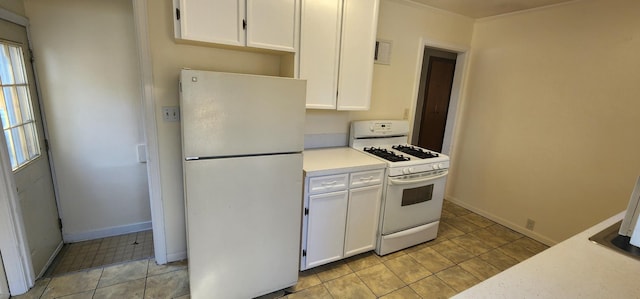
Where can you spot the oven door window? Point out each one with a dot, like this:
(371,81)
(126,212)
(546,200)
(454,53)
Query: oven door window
(417,195)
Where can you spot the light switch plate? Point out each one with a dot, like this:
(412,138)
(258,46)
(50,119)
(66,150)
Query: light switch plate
(171,114)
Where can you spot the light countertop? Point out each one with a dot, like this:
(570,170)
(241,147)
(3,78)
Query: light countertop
(574,268)
(328,161)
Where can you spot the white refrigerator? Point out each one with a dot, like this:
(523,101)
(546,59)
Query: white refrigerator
(242,142)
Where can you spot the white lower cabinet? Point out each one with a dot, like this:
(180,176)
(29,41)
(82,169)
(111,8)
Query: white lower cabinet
(340,223)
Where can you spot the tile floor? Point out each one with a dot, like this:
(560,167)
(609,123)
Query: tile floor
(469,249)
(102,252)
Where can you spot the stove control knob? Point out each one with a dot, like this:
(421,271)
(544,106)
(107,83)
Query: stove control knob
(406,170)
(441,165)
(435,166)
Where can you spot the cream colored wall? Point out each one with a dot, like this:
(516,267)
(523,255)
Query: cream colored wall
(15,6)
(405,24)
(394,86)
(550,128)
(88,69)
(168,58)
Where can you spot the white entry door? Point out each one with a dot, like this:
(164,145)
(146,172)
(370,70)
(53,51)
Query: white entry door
(24,134)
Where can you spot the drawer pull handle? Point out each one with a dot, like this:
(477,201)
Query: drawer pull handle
(329,183)
(367,179)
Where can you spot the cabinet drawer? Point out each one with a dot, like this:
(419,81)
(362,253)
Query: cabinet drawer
(328,183)
(366,178)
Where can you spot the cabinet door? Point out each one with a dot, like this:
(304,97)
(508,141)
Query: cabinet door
(272,24)
(359,24)
(326,227)
(319,47)
(212,21)
(362,220)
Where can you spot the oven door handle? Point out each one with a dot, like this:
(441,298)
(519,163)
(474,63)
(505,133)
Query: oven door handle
(393,181)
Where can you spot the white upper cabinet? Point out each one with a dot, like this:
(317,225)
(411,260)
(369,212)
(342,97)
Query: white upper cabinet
(262,24)
(337,43)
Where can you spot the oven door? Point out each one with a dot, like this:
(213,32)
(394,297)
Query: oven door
(413,200)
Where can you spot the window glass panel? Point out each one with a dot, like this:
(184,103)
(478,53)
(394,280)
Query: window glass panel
(16,109)
(17,62)
(6,69)
(25,104)
(32,140)
(3,112)
(20,145)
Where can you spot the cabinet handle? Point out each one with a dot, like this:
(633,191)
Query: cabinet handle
(244,24)
(367,179)
(329,183)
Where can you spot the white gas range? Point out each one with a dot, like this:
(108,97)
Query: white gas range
(414,189)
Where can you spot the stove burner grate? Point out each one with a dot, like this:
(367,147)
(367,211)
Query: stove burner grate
(414,151)
(385,154)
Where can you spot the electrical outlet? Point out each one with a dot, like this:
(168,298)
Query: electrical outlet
(171,114)
(530,224)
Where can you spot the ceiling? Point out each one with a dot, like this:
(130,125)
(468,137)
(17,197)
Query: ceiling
(486,8)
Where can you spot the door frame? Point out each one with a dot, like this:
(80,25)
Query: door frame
(150,130)
(14,247)
(459,81)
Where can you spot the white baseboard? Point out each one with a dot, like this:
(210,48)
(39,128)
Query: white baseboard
(174,257)
(107,232)
(502,221)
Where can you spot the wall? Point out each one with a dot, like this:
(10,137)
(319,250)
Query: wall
(168,58)
(406,24)
(89,75)
(551,117)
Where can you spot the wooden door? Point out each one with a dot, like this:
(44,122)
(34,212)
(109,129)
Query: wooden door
(436,102)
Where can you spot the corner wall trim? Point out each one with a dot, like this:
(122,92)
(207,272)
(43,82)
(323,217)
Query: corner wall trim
(108,232)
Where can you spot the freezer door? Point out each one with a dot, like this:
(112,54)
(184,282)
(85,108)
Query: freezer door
(225,114)
(243,224)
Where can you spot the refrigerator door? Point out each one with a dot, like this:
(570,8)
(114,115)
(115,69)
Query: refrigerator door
(225,114)
(243,219)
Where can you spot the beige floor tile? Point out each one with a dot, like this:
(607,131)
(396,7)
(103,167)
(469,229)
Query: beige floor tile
(306,280)
(432,287)
(83,295)
(315,292)
(489,238)
(479,268)
(168,285)
(531,244)
(362,261)
(348,286)
(332,271)
(124,272)
(391,256)
(453,251)
(72,283)
(133,289)
(431,259)
(516,251)
(407,269)
(36,291)
(155,269)
(447,231)
(504,232)
(472,244)
(457,278)
(184,297)
(462,224)
(404,293)
(455,209)
(478,220)
(380,279)
(498,259)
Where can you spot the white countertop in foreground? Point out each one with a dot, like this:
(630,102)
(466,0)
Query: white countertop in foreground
(574,268)
(327,161)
